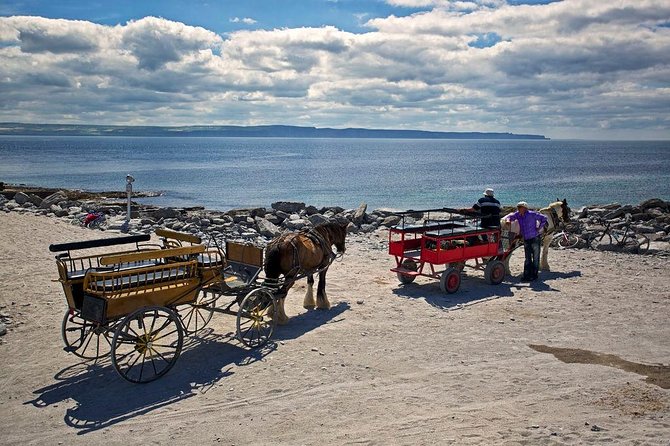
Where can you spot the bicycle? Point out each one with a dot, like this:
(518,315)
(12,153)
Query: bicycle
(564,239)
(623,237)
(93,220)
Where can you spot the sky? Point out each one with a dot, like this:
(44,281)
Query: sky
(572,69)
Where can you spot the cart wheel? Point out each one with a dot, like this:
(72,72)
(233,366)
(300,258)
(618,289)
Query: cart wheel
(83,338)
(195,316)
(450,280)
(410,265)
(568,241)
(256,318)
(494,272)
(147,344)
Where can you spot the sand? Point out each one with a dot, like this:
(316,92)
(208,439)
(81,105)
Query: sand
(581,357)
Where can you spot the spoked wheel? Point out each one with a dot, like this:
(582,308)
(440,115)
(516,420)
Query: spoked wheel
(195,316)
(147,344)
(83,338)
(410,265)
(568,241)
(494,272)
(256,318)
(638,243)
(450,280)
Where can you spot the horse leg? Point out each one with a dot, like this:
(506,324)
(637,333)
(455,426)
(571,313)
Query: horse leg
(309,301)
(321,298)
(282,318)
(544,264)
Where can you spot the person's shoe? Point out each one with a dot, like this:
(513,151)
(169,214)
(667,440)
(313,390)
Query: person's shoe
(525,279)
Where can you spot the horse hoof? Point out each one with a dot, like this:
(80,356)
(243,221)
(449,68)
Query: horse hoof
(308,307)
(282,321)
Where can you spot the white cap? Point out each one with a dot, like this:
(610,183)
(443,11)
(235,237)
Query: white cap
(522,204)
(488,192)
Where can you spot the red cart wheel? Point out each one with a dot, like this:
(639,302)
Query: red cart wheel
(494,272)
(450,280)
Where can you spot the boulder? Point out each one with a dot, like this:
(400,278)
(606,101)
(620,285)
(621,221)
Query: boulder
(311,210)
(652,203)
(359,215)
(165,213)
(295,224)
(58,211)
(288,206)
(351,228)
(317,219)
(54,198)
(391,221)
(21,198)
(267,228)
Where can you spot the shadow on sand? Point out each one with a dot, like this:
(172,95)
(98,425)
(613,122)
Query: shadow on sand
(97,397)
(474,290)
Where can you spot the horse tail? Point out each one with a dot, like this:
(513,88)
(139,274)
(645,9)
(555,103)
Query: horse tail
(273,262)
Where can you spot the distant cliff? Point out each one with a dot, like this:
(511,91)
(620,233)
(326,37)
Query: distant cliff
(260,131)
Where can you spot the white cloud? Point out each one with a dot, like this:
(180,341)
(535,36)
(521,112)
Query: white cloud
(561,69)
(245,20)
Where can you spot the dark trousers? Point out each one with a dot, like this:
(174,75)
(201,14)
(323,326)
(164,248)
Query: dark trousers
(532,263)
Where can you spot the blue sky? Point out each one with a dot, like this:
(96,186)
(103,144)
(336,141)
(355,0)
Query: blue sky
(565,69)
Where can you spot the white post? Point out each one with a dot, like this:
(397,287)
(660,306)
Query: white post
(129,190)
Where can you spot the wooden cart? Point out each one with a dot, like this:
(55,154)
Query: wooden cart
(138,303)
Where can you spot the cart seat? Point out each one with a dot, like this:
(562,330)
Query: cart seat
(134,280)
(432,226)
(464,230)
(79,274)
(209,259)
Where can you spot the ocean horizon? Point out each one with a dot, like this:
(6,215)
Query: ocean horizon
(220,173)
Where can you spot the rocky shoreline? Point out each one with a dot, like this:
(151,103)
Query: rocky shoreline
(259,225)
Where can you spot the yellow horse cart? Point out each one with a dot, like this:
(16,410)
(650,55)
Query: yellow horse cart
(138,302)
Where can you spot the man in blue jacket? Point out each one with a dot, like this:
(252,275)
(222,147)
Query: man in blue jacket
(531,225)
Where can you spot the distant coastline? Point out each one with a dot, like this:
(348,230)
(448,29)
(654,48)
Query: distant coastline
(261,131)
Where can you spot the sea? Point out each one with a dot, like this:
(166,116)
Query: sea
(397,174)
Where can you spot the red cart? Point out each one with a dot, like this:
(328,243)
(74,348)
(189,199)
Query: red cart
(440,247)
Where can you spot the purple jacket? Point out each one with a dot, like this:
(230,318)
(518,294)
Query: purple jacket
(528,223)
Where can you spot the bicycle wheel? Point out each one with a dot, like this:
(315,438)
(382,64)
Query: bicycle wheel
(636,243)
(567,240)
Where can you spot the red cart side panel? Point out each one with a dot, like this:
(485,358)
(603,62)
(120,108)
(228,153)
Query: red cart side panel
(398,248)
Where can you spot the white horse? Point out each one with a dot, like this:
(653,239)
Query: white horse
(556,213)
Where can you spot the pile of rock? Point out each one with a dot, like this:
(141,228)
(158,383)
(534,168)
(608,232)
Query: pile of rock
(651,218)
(255,225)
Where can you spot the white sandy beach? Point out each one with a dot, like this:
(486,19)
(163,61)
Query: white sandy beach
(581,357)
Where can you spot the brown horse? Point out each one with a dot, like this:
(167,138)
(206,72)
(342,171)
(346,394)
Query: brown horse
(302,253)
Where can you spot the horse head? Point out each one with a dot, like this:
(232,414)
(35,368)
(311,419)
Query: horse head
(565,211)
(334,233)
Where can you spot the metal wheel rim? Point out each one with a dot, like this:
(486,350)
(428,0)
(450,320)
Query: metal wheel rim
(195,316)
(256,318)
(83,338)
(497,272)
(146,344)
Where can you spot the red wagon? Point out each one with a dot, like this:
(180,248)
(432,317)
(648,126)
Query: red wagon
(440,247)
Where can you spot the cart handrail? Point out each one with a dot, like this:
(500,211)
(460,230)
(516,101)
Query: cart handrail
(155,254)
(182,236)
(97,243)
(444,209)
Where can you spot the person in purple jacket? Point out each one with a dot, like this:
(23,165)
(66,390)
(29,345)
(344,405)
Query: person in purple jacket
(531,225)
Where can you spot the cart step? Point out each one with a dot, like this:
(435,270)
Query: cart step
(407,272)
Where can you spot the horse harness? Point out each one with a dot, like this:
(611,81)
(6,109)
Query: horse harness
(319,240)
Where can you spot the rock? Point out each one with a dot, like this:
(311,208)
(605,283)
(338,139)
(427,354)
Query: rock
(311,210)
(654,203)
(295,224)
(317,219)
(58,211)
(391,221)
(359,215)
(21,198)
(52,199)
(352,228)
(367,228)
(165,213)
(288,206)
(3,329)
(623,210)
(266,228)
(644,229)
